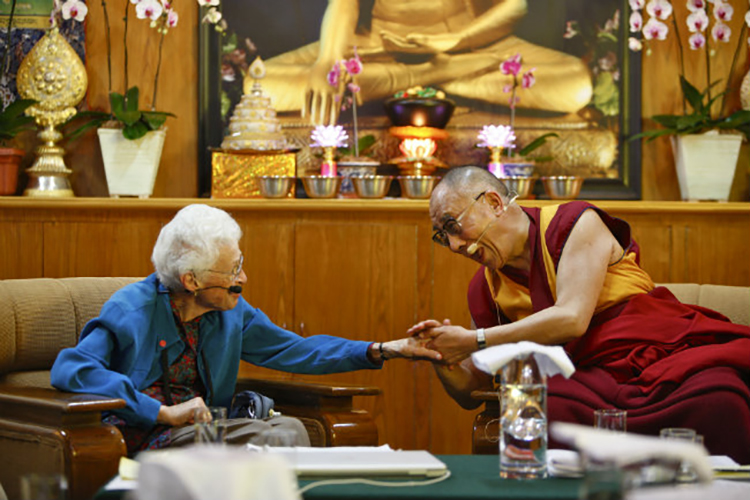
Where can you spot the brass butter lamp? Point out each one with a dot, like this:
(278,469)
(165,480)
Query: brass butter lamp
(54,76)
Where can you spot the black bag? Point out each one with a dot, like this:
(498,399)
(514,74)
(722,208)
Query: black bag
(250,404)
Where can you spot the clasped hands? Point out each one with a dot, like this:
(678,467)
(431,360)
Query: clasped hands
(454,343)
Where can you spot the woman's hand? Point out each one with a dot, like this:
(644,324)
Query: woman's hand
(180,414)
(411,348)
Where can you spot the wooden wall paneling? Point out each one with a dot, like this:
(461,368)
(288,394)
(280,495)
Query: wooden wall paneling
(717,253)
(451,424)
(656,241)
(422,371)
(268,247)
(358,280)
(110,248)
(21,249)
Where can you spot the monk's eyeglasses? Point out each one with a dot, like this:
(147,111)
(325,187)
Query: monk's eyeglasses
(452,225)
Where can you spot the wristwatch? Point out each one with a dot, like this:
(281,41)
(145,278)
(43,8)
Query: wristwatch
(481,340)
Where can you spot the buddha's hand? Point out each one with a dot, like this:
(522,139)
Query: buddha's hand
(319,101)
(180,414)
(420,43)
(411,348)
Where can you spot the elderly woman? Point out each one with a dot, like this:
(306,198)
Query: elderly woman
(172,343)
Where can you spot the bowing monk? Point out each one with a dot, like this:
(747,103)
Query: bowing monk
(568,275)
(455,44)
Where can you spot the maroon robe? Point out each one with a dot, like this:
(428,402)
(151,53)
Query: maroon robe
(668,364)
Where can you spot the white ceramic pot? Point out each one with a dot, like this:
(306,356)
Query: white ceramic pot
(706,164)
(131,166)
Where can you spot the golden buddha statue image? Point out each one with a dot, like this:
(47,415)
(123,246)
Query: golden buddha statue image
(456,45)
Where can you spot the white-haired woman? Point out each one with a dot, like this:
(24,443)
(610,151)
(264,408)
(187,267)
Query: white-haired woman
(172,343)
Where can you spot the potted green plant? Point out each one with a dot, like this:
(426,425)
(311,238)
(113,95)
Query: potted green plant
(131,137)
(706,136)
(12,122)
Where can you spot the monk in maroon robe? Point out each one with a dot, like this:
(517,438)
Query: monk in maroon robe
(568,275)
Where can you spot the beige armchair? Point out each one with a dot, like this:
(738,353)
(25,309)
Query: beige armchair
(45,431)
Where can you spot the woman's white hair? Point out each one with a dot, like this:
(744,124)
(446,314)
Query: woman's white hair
(192,241)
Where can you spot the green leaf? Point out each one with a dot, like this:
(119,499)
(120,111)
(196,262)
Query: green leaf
(694,98)
(652,134)
(129,118)
(155,119)
(135,131)
(117,103)
(17,108)
(536,143)
(131,99)
(736,120)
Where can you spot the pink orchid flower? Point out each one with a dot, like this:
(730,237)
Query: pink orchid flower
(528,79)
(172,18)
(149,9)
(571,29)
(512,66)
(353,66)
(655,29)
(723,12)
(204,3)
(636,22)
(659,9)
(334,74)
(697,21)
(721,32)
(74,9)
(697,41)
(634,44)
(637,4)
(353,87)
(695,5)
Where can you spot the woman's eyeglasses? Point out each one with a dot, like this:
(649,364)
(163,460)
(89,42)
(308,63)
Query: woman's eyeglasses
(236,270)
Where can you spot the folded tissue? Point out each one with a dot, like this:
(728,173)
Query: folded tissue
(551,360)
(211,472)
(626,449)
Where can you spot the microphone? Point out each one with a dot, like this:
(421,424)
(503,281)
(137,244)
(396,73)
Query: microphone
(475,246)
(231,289)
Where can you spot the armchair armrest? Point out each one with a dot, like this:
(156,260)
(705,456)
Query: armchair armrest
(53,432)
(485,433)
(325,410)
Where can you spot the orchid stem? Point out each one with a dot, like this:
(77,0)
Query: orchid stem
(125,45)
(356,132)
(731,68)
(682,61)
(109,46)
(158,69)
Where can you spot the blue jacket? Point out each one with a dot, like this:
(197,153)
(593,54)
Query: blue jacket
(118,354)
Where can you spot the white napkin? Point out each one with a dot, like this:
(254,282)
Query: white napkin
(625,448)
(211,472)
(550,359)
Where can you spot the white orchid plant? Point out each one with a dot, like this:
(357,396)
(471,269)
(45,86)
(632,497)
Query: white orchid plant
(705,16)
(125,112)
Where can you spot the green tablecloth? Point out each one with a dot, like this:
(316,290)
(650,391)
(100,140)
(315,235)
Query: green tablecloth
(472,477)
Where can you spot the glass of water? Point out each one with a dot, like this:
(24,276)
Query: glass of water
(210,425)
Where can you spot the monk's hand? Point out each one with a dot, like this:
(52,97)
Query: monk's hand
(319,101)
(455,343)
(423,329)
(180,414)
(411,348)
